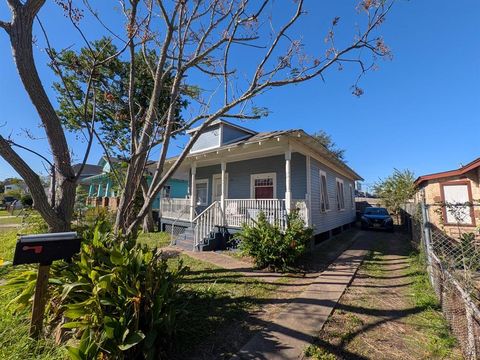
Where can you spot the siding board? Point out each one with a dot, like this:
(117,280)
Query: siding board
(239,175)
(208,139)
(334,218)
(230,134)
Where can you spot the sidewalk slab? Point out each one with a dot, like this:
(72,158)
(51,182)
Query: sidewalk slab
(292,331)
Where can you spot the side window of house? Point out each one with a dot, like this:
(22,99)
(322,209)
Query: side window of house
(340,195)
(324,201)
(166,191)
(457,198)
(202,192)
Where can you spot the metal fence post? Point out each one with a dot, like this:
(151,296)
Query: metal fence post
(427,242)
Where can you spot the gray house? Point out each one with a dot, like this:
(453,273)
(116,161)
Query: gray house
(236,173)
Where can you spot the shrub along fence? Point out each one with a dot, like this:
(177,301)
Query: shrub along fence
(453,264)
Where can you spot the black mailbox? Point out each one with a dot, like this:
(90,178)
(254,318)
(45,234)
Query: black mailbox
(45,248)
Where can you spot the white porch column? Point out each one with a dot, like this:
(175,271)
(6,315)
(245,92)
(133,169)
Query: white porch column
(107,189)
(193,191)
(288,180)
(99,191)
(222,196)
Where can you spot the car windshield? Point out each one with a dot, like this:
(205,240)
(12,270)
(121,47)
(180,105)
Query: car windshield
(376,211)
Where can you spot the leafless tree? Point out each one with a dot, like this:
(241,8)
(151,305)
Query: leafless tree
(191,39)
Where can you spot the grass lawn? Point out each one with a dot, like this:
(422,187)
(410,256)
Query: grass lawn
(17,220)
(220,305)
(156,239)
(6,213)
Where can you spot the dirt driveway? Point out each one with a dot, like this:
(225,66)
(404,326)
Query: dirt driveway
(388,312)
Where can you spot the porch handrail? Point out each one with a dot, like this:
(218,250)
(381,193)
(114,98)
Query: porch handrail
(206,221)
(204,211)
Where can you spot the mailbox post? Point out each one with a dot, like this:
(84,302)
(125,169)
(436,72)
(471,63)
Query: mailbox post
(43,249)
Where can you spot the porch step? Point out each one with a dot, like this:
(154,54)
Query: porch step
(185,244)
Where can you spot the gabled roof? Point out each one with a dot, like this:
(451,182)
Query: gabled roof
(221,121)
(458,172)
(298,135)
(88,169)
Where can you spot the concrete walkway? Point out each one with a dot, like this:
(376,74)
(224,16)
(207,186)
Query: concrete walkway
(230,263)
(292,330)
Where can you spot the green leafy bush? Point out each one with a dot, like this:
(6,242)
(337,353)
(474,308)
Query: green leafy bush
(33,223)
(27,200)
(470,252)
(269,247)
(116,300)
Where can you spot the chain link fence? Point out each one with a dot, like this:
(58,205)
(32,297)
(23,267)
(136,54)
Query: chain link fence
(453,263)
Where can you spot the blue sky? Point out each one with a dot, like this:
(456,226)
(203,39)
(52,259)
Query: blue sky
(420,110)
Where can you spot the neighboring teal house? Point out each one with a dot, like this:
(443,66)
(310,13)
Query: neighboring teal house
(103,191)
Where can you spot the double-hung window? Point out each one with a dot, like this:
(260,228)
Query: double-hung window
(201,189)
(324,201)
(340,195)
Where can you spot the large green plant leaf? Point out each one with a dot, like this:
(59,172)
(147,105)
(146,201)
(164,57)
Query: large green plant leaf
(131,340)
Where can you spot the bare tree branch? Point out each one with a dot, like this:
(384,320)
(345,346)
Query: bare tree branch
(5,25)
(33,182)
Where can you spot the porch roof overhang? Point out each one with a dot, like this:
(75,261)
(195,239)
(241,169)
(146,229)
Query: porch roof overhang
(95,179)
(268,144)
(309,145)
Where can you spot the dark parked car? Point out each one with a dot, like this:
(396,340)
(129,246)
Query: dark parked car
(376,218)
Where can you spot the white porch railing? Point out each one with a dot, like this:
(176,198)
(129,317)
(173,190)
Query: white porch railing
(237,213)
(175,208)
(205,222)
(245,211)
(301,206)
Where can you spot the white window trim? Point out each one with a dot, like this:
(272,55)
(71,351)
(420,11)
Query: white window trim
(327,199)
(201,181)
(352,196)
(253,177)
(219,176)
(340,181)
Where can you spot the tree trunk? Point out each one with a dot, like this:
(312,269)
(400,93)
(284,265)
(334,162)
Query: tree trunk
(135,182)
(148,222)
(58,215)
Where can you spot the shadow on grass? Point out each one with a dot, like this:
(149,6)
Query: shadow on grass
(222,310)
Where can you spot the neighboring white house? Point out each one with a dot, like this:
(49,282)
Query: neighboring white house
(16,187)
(12,187)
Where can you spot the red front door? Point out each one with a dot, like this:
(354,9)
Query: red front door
(264,192)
